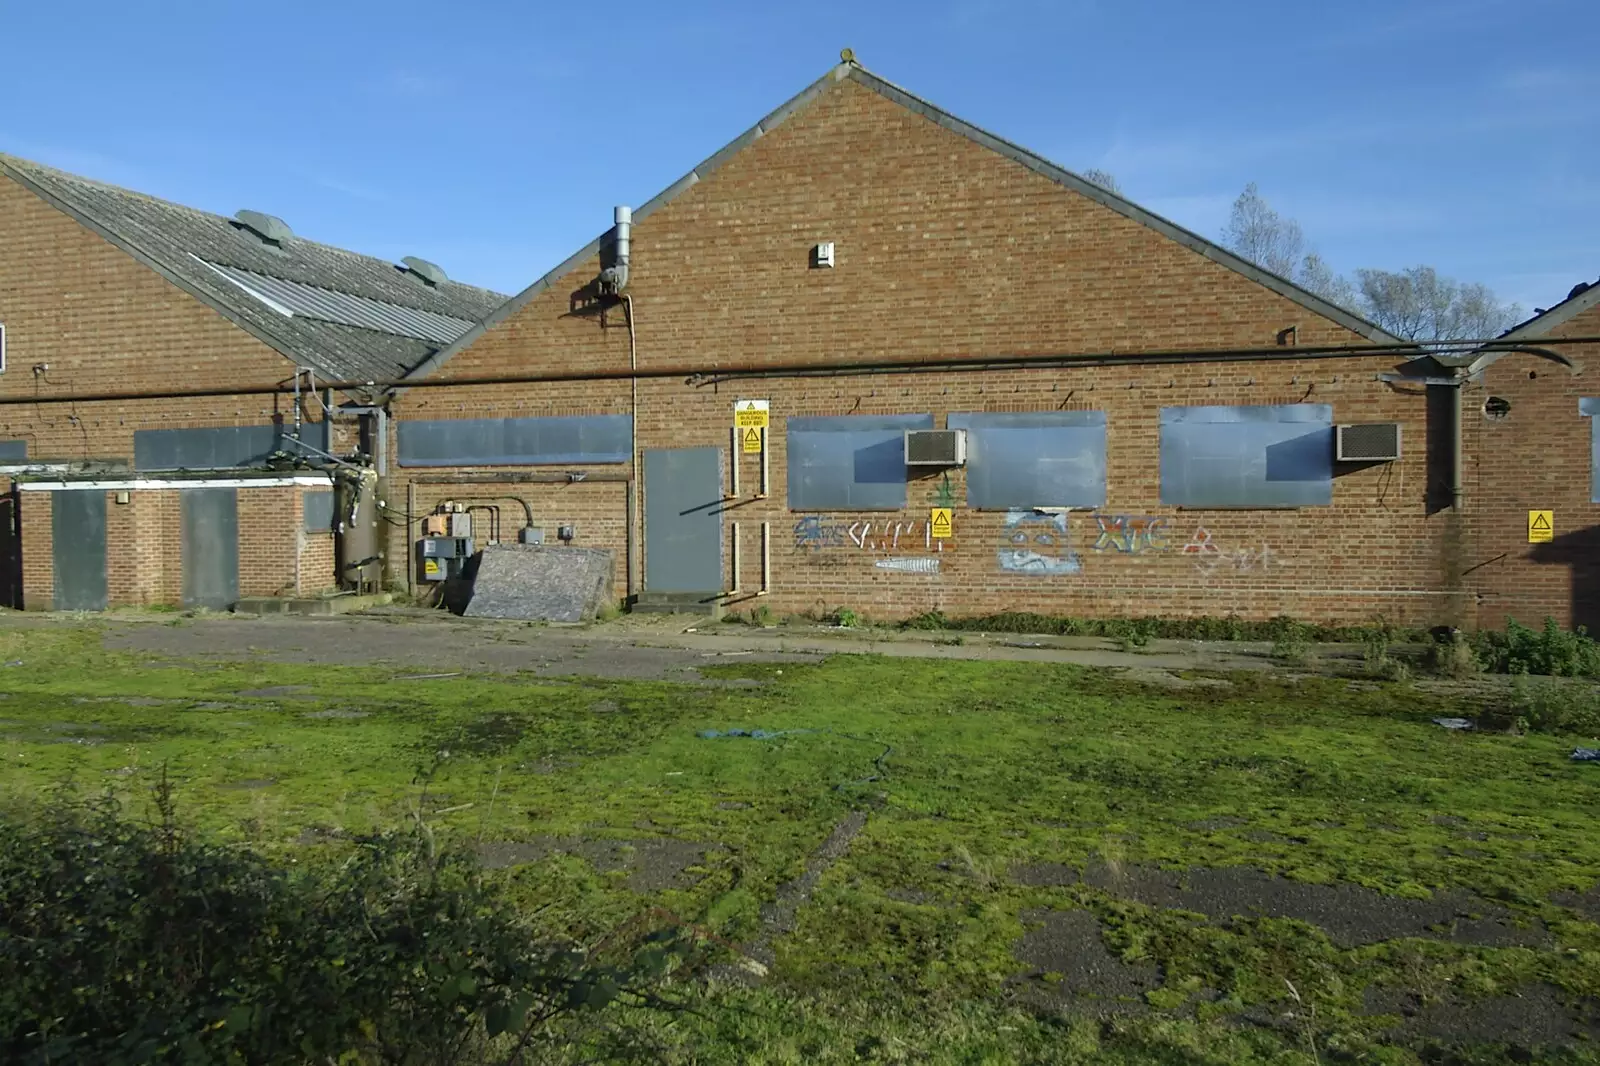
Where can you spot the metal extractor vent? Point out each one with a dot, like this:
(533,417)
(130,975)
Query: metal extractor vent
(1368,442)
(936,447)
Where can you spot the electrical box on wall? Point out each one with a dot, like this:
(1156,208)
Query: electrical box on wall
(822,255)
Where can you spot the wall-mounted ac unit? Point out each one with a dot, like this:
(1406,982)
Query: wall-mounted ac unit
(1368,442)
(936,447)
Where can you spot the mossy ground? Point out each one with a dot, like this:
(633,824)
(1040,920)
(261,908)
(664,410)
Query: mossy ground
(905,950)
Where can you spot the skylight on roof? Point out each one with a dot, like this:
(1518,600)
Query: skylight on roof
(343,308)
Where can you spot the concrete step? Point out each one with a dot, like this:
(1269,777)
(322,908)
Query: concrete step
(703,603)
(319,605)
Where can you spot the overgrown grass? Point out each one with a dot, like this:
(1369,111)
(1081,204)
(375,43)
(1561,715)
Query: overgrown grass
(966,770)
(1210,628)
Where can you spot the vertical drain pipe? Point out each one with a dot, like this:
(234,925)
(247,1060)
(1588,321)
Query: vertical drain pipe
(1457,463)
(622,221)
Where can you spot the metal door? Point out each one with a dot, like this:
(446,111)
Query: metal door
(11,549)
(210,547)
(78,548)
(683,520)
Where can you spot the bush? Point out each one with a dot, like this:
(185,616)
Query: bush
(1545,705)
(1551,650)
(130,943)
(1452,655)
(1292,642)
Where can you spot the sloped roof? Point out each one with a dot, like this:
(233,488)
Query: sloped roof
(1539,326)
(334,294)
(860,75)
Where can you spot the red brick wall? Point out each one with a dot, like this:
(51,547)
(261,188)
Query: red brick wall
(38,561)
(1536,458)
(102,321)
(945,249)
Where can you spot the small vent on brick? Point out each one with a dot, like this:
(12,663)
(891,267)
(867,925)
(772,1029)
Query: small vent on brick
(1372,442)
(1496,407)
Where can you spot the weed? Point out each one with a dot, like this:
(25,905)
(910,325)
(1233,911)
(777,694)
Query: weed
(846,618)
(1550,650)
(763,616)
(1452,656)
(1550,705)
(1291,642)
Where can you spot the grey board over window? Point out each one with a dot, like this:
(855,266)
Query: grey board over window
(532,441)
(223,447)
(849,462)
(1255,457)
(1035,458)
(318,507)
(13,451)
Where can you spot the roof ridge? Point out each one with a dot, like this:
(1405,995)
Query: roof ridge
(852,69)
(56,173)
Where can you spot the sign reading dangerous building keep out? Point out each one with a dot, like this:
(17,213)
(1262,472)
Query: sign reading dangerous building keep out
(750,414)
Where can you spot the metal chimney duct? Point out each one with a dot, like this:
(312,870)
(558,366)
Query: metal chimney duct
(614,278)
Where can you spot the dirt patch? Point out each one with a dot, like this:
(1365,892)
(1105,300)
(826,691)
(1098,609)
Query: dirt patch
(1071,968)
(652,865)
(1145,675)
(279,692)
(1349,914)
(1585,903)
(1045,874)
(1533,1016)
(1211,825)
(420,644)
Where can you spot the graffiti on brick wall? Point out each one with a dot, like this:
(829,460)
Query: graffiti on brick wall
(1131,534)
(1212,558)
(894,541)
(916,564)
(1037,543)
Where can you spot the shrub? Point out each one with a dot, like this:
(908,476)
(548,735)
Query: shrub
(129,943)
(1291,643)
(847,618)
(1452,655)
(1546,705)
(1551,650)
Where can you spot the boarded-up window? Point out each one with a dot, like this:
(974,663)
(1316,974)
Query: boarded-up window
(1247,457)
(223,447)
(1035,458)
(1590,407)
(849,462)
(516,441)
(13,451)
(318,507)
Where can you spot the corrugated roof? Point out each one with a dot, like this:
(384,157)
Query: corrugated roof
(855,72)
(208,254)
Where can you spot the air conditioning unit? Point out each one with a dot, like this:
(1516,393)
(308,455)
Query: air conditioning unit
(936,447)
(1368,442)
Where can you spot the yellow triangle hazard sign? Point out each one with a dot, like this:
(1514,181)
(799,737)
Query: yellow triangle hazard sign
(750,441)
(1541,527)
(940,522)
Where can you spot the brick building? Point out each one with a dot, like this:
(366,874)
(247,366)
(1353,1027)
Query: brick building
(1533,444)
(1150,421)
(161,409)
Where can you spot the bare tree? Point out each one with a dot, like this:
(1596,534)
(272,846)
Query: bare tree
(1316,276)
(1103,178)
(1261,235)
(1419,305)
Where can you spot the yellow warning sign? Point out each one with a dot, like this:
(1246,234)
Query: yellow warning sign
(1541,527)
(430,566)
(750,440)
(940,523)
(750,414)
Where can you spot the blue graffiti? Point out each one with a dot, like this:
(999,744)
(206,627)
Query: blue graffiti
(1034,542)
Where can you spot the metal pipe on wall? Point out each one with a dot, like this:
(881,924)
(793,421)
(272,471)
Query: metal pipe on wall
(701,376)
(1457,465)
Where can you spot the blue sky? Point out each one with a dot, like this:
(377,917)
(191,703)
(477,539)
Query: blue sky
(494,138)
